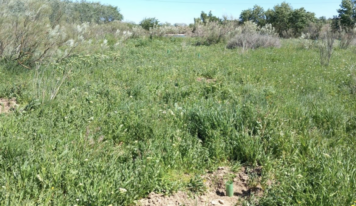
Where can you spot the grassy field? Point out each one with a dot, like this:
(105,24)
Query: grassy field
(110,128)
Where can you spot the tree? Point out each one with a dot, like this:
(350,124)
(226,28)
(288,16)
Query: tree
(279,17)
(256,14)
(94,12)
(148,23)
(205,18)
(335,24)
(347,14)
(299,19)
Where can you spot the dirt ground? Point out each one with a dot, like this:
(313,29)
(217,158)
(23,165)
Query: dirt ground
(6,105)
(244,186)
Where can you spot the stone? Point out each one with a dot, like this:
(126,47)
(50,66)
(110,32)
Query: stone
(214,203)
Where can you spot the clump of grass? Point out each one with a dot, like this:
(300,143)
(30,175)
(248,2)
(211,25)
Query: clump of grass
(196,185)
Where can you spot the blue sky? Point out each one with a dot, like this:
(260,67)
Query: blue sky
(184,11)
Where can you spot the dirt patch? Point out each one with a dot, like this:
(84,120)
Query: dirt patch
(246,182)
(6,105)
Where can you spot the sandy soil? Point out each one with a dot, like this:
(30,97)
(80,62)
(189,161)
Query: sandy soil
(216,194)
(6,105)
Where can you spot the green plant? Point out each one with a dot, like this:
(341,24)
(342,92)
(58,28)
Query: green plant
(148,23)
(236,167)
(196,185)
(229,178)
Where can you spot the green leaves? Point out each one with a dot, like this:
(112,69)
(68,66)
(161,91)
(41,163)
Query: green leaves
(347,14)
(148,23)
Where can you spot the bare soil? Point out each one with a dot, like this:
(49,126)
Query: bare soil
(7,104)
(244,187)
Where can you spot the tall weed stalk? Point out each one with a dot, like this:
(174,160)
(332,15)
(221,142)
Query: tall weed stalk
(326,48)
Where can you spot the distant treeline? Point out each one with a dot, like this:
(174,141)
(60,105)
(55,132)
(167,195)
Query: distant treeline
(289,22)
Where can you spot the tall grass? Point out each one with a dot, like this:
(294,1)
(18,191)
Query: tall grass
(139,119)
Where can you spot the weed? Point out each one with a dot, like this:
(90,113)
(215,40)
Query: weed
(196,185)
(326,48)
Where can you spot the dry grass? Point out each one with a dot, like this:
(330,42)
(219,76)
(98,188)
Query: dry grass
(253,41)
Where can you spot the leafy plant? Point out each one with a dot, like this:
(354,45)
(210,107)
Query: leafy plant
(196,185)
(148,23)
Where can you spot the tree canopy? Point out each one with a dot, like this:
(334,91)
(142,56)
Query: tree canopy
(205,18)
(256,14)
(148,23)
(347,14)
(283,18)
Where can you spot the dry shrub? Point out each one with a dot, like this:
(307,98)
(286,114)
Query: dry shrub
(214,32)
(115,28)
(28,38)
(161,31)
(312,31)
(347,39)
(252,37)
(253,41)
(326,47)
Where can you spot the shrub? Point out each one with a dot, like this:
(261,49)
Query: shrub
(312,31)
(253,37)
(347,39)
(213,32)
(161,31)
(138,31)
(148,23)
(326,47)
(253,41)
(28,38)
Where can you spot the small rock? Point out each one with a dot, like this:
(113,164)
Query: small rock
(221,202)
(244,177)
(221,168)
(202,199)
(214,203)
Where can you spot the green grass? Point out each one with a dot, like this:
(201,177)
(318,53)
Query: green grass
(139,119)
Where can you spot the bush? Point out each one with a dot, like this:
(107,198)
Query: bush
(312,31)
(213,32)
(161,31)
(253,41)
(347,39)
(148,23)
(30,36)
(326,47)
(252,37)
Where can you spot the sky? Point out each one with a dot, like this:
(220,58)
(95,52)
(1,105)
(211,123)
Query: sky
(184,11)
